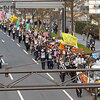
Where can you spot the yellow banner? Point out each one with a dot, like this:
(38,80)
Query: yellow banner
(69,39)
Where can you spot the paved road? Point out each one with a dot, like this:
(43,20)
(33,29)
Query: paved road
(15,55)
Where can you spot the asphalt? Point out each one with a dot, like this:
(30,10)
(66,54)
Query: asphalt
(15,55)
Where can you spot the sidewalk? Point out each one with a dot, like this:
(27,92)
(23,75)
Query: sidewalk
(80,40)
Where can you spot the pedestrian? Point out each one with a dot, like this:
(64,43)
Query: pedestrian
(13,33)
(50,59)
(83,35)
(0,24)
(37,52)
(43,58)
(20,36)
(62,66)
(9,30)
(88,44)
(5,27)
(92,44)
(79,90)
(26,44)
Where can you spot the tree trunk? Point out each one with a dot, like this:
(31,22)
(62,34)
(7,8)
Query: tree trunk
(59,23)
(37,20)
(33,17)
(72,21)
(24,15)
(42,24)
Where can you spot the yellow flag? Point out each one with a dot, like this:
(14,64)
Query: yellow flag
(13,19)
(69,39)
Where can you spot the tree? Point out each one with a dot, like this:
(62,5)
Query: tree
(97,19)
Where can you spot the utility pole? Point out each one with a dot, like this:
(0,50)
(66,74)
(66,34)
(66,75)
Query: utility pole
(72,17)
(64,18)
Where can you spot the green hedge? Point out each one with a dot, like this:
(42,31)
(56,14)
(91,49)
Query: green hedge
(79,26)
(85,49)
(54,35)
(82,26)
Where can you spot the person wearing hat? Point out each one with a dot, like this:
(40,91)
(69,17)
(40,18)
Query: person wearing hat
(13,33)
(17,31)
(9,29)
(50,59)
(20,36)
(0,24)
(79,90)
(5,27)
(37,51)
(27,43)
(62,66)
(92,44)
(43,57)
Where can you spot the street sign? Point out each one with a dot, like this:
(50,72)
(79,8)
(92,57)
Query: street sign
(39,5)
(94,6)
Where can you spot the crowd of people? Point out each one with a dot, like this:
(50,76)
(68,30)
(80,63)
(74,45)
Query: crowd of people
(46,49)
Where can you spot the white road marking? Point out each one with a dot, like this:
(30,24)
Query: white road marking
(50,76)
(3,41)
(18,45)
(68,95)
(11,76)
(2,60)
(4,32)
(25,51)
(35,61)
(12,40)
(19,93)
(8,36)
(53,79)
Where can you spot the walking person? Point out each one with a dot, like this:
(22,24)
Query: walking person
(50,59)
(62,66)
(5,27)
(92,44)
(79,90)
(13,33)
(26,44)
(43,58)
(20,36)
(83,35)
(9,30)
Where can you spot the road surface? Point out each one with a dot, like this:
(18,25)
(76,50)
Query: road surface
(15,55)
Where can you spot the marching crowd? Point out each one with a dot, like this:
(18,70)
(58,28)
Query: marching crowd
(46,49)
